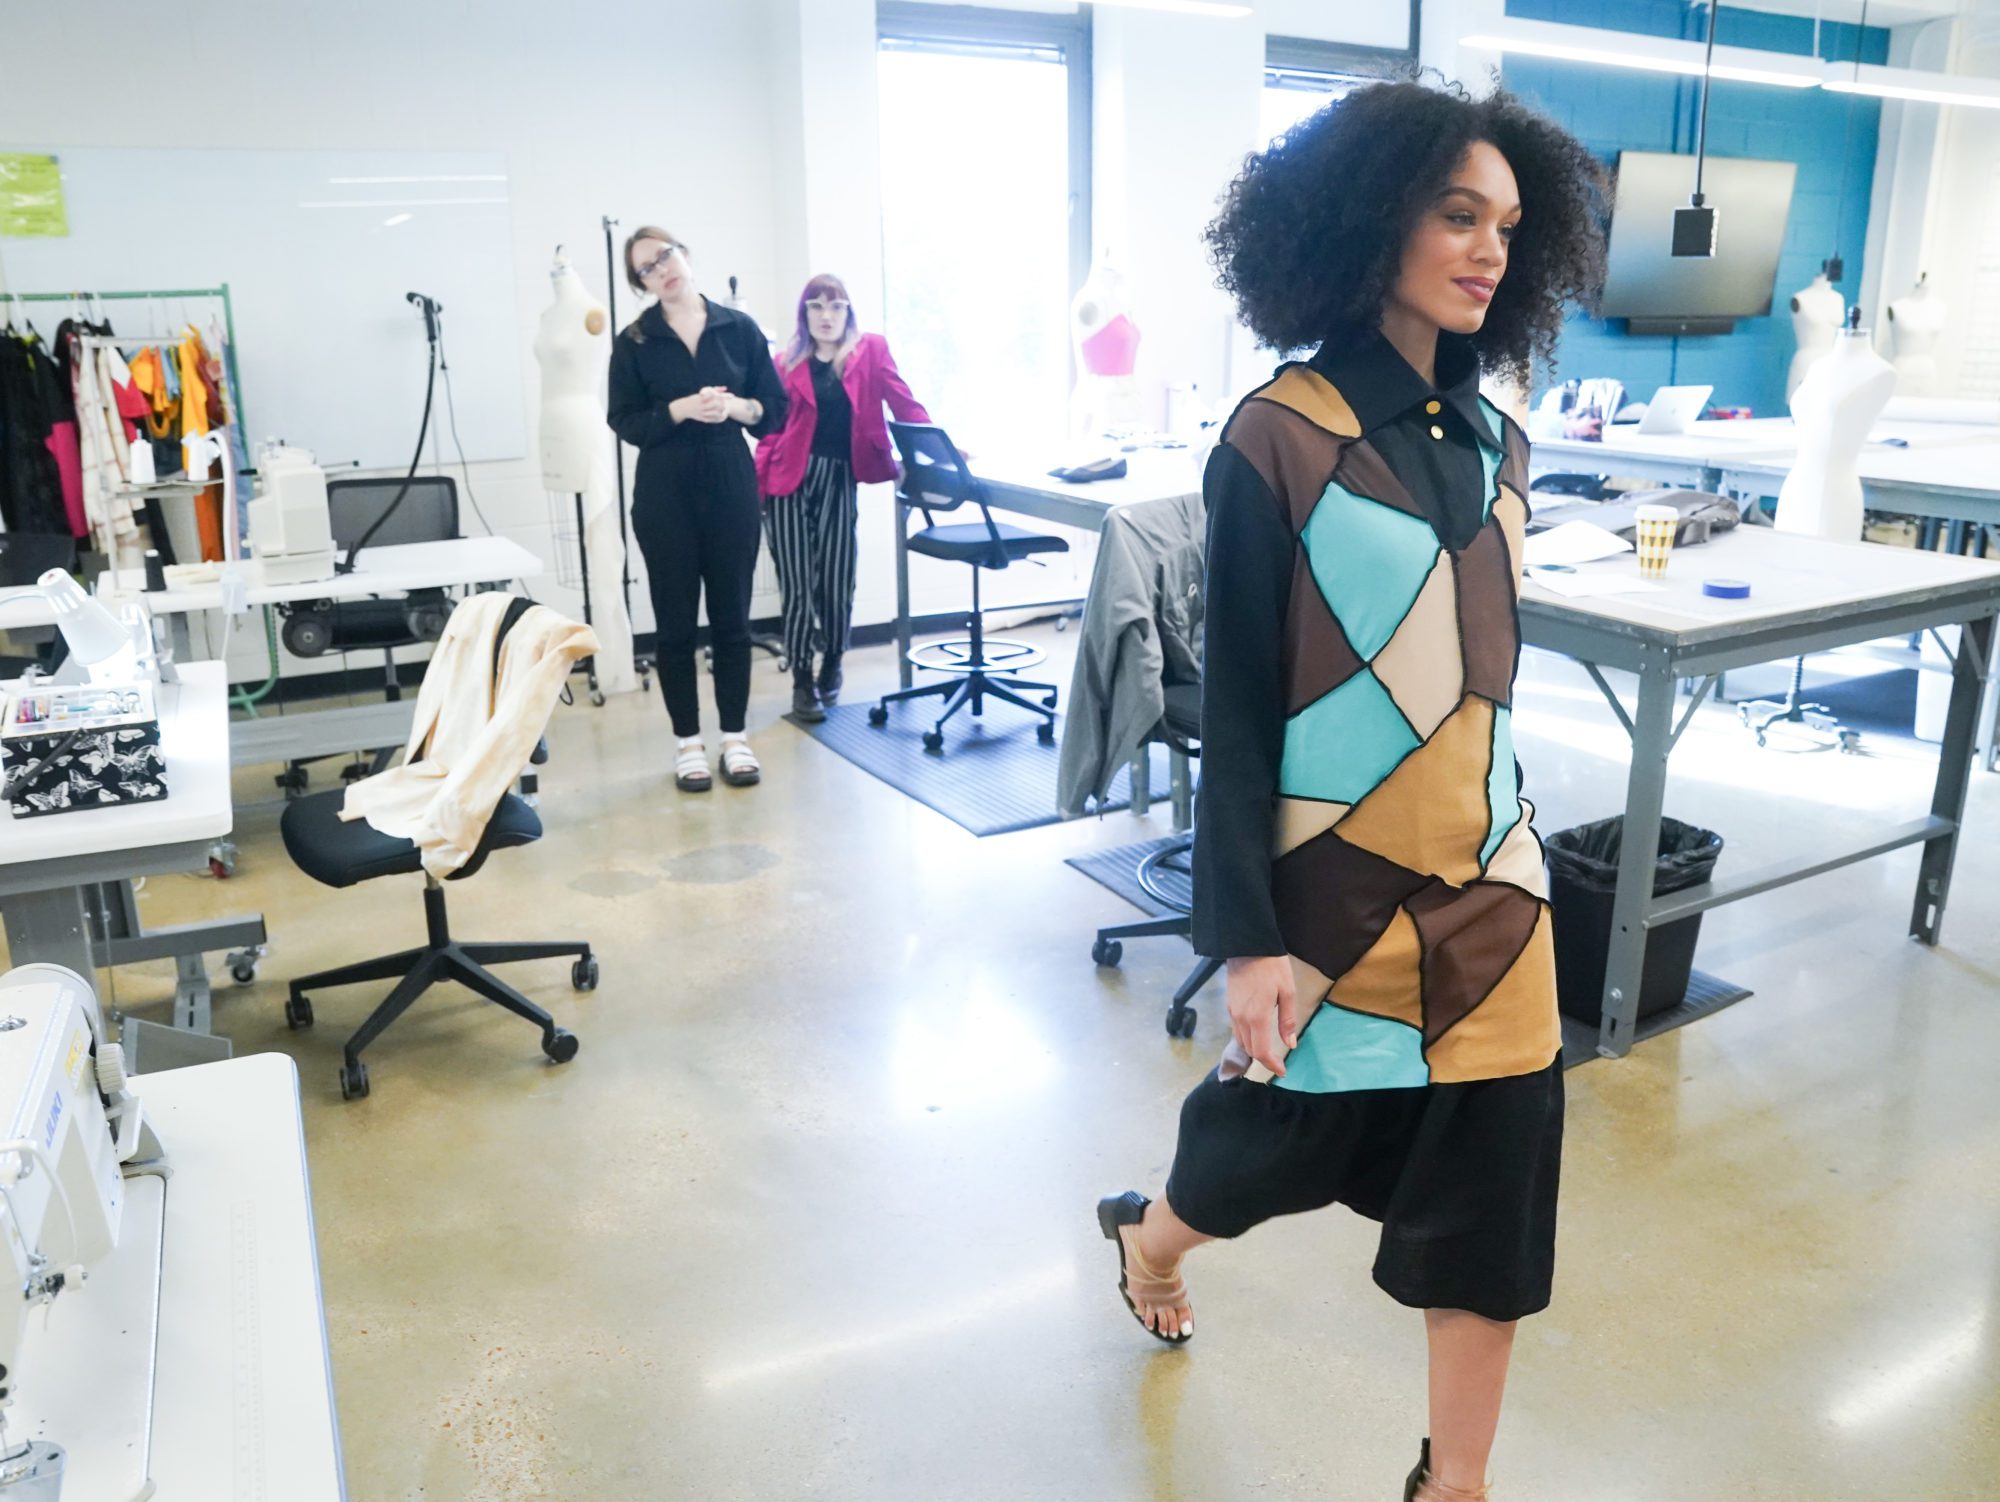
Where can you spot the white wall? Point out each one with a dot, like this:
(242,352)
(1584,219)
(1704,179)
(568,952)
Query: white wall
(598,109)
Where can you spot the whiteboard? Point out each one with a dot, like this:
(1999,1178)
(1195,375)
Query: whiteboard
(318,249)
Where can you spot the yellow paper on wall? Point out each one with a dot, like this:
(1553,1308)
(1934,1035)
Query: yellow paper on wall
(31,196)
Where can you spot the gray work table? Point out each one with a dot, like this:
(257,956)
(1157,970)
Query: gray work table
(1807,596)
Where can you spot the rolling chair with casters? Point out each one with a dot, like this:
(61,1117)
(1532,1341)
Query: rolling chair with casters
(935,478)
(427,513)
(1164,875)
(340,853)
(24,558)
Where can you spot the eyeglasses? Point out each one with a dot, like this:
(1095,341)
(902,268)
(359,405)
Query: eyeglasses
(816,305)
(658,262)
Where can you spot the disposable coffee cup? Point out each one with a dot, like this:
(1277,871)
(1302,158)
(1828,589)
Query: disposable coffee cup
(1657,526)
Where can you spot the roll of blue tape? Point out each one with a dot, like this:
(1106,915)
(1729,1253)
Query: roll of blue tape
(1726,589)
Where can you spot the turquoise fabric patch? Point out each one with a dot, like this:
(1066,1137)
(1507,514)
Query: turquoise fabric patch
(1370,562)
(1498,423)
(1340,746)
(1489,464)
(1503,784)
(1342,1050)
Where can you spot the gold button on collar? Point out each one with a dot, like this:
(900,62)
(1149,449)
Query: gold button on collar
(1433,408)
(1436,431)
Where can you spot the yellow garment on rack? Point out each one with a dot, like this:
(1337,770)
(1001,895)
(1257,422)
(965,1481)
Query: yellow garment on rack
(150,376)
(194,402)
(190,353)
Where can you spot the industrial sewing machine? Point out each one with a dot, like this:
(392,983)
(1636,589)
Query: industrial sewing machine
(82,1193)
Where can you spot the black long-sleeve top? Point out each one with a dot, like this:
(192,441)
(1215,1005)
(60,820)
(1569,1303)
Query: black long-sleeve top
(651,367)
(1428,436)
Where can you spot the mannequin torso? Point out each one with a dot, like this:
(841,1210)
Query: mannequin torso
(572,350)
(1915,321)
(1817,310)
(1834,407)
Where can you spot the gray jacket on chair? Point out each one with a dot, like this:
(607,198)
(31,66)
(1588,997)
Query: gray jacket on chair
(1141,630)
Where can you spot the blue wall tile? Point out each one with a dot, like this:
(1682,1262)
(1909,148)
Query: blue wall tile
(1832,138)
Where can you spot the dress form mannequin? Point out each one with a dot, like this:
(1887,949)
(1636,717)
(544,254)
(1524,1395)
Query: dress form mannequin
(1106,341)
(1817,311)
(572,347)
(1836,405)
(1915,321)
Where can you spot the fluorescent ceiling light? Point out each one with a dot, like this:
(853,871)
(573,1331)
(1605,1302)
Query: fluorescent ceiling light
(1183,7)
(1649,54)
(1911,83)
(487,177)
(392,203)
(395,219)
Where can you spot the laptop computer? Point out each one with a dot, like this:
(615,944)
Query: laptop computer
(1674,408)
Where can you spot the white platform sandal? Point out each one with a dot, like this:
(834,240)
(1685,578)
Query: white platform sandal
(691,773)
(740,767)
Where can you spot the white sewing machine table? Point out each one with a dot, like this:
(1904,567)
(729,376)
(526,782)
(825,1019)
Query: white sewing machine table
(241,1387)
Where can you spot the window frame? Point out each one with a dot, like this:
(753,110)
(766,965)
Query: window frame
(983,29)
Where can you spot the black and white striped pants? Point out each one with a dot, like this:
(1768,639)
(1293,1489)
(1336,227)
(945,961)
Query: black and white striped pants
(811,533)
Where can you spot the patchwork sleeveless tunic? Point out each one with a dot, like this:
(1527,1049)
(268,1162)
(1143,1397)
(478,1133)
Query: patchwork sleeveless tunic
(1361,813)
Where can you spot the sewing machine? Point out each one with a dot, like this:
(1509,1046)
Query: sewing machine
(291,530)
(82,1194)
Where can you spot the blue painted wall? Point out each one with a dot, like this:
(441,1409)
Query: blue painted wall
(1617,109)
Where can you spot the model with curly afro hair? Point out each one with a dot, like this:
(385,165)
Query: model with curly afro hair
(1363,860)
(1312,232)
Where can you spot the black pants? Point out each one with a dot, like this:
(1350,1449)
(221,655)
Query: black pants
(813,544)
(694,513)
(1463,1178)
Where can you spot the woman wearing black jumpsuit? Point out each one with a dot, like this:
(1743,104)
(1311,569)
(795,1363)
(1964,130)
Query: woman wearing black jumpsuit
(688,379)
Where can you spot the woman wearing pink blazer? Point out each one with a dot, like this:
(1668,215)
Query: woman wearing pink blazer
(837,379)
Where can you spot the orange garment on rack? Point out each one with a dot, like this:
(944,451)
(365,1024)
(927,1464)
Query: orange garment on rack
(150,376)
(192,355)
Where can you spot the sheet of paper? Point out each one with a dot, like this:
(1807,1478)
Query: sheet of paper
(1579,586)
(1575,542)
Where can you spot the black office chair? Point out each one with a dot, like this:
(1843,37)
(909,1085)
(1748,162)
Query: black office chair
(340,853)
(24,558)
(935,478)
(1165,875)
(427,513)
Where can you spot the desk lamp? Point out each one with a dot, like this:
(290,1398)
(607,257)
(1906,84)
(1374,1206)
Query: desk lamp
(92,633)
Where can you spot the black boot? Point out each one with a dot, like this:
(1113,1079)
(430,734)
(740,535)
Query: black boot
(805,703)
(830,679)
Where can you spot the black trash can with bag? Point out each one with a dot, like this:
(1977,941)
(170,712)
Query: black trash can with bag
(1583,878)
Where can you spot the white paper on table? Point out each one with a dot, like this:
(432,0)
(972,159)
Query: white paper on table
(1575,542)
(1581,586)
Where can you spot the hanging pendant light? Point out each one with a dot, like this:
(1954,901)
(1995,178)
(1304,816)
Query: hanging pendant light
(1695,225)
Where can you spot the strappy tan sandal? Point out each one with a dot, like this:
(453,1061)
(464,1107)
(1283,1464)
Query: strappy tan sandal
(740,767)
(1128,1209)
(691,773)
(1424,1487)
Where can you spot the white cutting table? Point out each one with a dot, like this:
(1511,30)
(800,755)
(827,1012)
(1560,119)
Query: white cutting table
(389,570)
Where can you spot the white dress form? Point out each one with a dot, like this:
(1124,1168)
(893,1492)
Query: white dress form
(1105,341)
(1834,408)
(1915,322)
(573,347)
(1817,312)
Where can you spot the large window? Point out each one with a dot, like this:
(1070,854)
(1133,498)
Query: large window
(985,218)
(1303,77)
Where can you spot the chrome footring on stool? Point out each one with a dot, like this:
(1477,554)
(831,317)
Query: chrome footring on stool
(997,658)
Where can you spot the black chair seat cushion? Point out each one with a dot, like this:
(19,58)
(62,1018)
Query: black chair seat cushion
(340,852)
(1183,712)
(970,542)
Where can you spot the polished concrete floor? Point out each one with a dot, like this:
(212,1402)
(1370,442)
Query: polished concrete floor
(810,1214)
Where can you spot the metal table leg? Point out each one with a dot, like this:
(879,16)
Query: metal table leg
(1975,648)
(50,927)
(1645,792)
(905,674)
